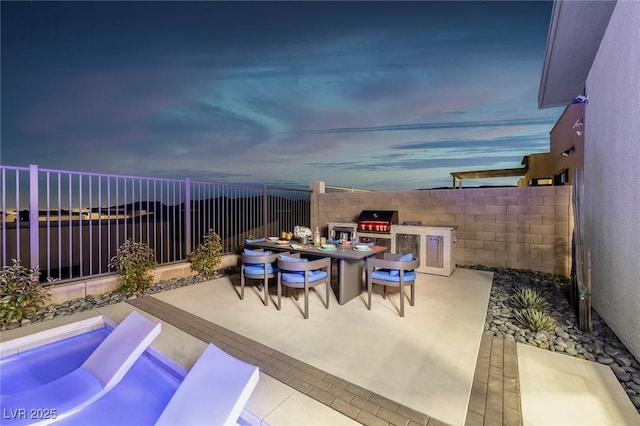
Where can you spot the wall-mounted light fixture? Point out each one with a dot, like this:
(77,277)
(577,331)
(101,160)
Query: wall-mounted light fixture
(568,152)
(578,126)
(581,99)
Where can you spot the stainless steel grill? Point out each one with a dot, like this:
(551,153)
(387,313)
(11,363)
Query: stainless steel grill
(377,221)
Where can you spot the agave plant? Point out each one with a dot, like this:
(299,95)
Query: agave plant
(535,320)
(527,298)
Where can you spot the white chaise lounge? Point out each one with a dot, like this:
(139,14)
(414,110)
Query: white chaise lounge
(104,369)
(214,392)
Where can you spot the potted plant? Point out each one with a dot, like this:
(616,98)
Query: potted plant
(302,233)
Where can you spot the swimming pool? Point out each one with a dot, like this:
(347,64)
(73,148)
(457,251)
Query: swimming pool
(137,400)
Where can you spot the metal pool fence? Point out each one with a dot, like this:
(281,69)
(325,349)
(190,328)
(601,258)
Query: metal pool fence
(70,223)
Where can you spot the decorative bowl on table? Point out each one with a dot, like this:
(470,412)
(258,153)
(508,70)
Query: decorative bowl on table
(282,242)
(328,247)
(272,239)
(361,247)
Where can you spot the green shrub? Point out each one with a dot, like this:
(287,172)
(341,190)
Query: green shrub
(527,298)
(535,320)
(207,257)
(134,261)
(20,292)
(243,245)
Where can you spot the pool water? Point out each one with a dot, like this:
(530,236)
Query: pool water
(137,400)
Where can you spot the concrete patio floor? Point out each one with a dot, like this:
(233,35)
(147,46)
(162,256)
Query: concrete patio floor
(424,361)
(348,365)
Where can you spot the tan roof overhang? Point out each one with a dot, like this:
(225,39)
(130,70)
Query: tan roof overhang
(481,174)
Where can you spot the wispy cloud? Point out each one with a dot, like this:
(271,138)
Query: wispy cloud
(430,126)
(393,94)
(515,142)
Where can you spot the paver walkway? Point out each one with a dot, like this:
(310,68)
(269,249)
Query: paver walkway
(495,392)
(495,397)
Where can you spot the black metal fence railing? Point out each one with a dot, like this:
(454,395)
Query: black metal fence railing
(70,223)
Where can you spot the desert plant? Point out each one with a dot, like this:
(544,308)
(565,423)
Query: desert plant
(534,320)
(243,245)
(20,292)
(527,298)
(134,261)
(207,257)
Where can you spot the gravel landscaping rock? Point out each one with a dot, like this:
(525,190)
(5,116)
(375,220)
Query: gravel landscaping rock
(599,345)
(90,302)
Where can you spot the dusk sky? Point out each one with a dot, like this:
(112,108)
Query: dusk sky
(383,95)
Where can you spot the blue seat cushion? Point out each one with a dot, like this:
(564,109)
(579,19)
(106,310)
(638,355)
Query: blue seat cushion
(298,277)
(258,269)
(386,275)
(293,259)
(256,253)
(404,258)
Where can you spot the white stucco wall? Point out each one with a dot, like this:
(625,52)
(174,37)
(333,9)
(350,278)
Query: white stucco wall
(612,175)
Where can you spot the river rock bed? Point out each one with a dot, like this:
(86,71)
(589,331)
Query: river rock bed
(90,302)
(599,345)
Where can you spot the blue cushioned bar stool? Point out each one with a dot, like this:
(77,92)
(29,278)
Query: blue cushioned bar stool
(258,265)
(395,270)
(303,273)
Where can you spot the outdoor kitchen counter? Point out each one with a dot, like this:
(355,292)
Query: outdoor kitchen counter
(441,226)
(350,268)
(435,247)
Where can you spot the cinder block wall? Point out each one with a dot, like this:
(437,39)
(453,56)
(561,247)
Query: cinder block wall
(523,228)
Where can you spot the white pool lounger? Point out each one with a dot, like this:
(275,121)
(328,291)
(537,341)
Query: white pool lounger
(214,392)
(104,369)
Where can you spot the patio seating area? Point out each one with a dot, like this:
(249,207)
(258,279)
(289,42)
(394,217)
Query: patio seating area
(424,361)
(348,365)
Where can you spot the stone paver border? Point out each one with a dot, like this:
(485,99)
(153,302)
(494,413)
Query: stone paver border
(495,392)
(495,396)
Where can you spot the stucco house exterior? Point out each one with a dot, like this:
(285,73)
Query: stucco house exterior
(593,49)
(566,152)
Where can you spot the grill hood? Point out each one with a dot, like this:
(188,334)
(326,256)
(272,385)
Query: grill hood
(377,220)
(387,216)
